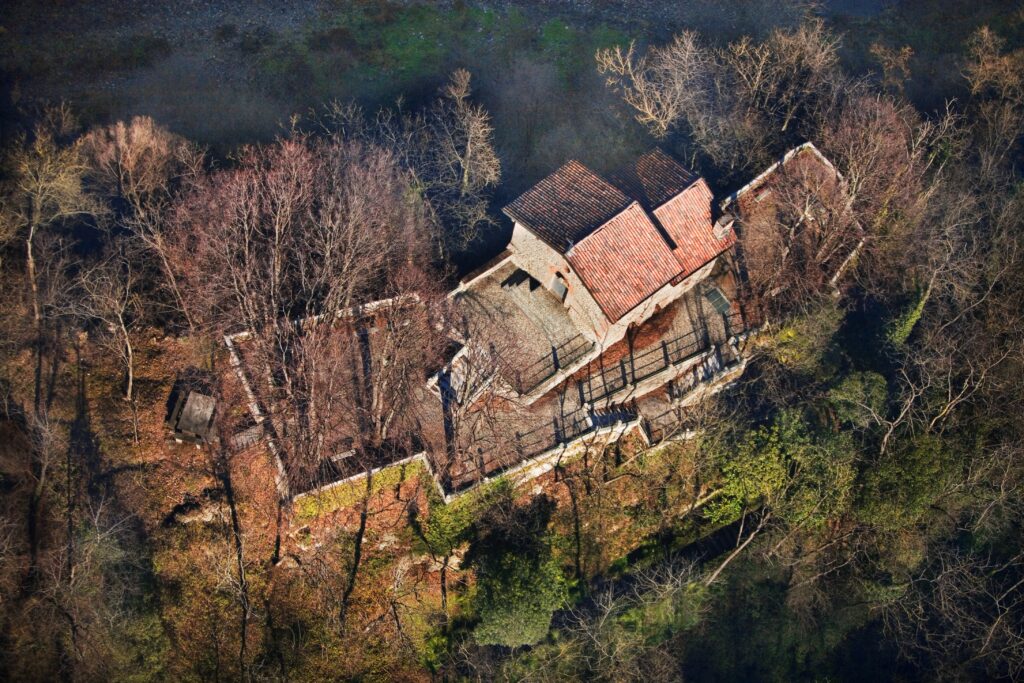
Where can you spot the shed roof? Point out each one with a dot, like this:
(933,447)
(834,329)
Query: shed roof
(197,414)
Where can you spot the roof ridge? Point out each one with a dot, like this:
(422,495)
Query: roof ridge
(696,182)
(653,178)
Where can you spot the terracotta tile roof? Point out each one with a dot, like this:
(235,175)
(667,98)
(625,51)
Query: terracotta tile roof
(653,178)
(623,262)
(687,220)
(566,206)
(622,252)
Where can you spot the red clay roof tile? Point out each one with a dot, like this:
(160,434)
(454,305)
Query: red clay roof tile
(622,253)
(623,262)
(653,178)
(687,220)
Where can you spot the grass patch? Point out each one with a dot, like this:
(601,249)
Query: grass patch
(556,36)
(377,51)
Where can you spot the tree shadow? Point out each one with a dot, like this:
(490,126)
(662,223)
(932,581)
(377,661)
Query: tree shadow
(83,442)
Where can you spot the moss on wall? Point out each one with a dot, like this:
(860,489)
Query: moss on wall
(350,493)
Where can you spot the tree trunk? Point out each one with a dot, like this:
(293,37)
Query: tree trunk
(129,352)
(35,501)
(243,582)
(739,549)
(37,313)
(157,244)
(444,586)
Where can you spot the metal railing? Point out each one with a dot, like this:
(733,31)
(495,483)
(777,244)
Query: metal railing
(679,387)
(526,378)
(560,430)
(735,323)
(637,367)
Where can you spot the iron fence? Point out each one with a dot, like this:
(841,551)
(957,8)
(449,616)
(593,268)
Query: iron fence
(637,367)
(529,377)
(560,430)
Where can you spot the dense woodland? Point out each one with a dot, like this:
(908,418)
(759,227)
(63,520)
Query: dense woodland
(851,509)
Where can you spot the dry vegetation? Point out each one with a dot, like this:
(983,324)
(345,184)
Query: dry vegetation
(859,491)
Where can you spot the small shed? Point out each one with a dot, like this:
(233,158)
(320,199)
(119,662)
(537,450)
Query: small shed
(191,418)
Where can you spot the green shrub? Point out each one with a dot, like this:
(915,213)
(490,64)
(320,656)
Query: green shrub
(858,397)
(519,581)
(806,477)
(517,597)
(900,490)
(802,344)
(898,330)
(556,36)
(350,493)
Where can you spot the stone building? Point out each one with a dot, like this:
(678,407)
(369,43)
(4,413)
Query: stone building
(613,310)
(612,292)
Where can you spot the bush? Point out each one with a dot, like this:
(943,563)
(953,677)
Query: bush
(803,343)
(519,583)
(349,493)
(517,598)
(901,489)
(898,330)
(857,396)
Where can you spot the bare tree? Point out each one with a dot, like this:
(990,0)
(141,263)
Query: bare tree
(111,301)
(964,613)
(45,189)
(448,149)
(891,167)
(665,84)
(797,234)
(738,103)
(141,166)
(787,78)
(320,252)
(991,70)
(33,460)
(460,164)
(895,65)
(996,79)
